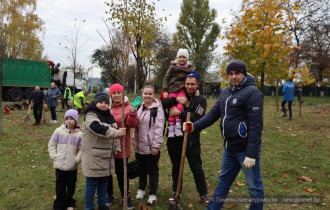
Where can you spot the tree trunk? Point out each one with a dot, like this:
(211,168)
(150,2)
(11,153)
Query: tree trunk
(262,85)
(1,108)
(276,96)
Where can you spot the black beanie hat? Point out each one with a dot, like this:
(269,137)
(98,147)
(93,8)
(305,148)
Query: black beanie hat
(101,97)
(236,65)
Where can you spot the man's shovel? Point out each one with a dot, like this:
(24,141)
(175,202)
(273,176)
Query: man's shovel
(27,118)
(175,204)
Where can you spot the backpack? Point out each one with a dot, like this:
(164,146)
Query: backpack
(153,114)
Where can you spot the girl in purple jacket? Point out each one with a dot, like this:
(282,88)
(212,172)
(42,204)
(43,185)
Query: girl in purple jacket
(148,137)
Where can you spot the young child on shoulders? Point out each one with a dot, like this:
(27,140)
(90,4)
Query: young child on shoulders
(64,150)
(173,86)
(100,142)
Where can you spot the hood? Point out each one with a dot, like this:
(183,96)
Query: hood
(248,80)
(176,62)
(113,105)
(156,103)
(77,128)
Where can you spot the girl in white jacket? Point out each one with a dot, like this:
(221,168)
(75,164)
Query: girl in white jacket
(64,150)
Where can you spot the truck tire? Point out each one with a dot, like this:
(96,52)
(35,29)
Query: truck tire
(28,92)
(16,94)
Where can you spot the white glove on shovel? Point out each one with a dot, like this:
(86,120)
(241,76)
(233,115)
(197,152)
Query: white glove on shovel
(249,162)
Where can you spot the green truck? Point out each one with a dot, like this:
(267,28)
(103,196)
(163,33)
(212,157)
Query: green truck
(19,77)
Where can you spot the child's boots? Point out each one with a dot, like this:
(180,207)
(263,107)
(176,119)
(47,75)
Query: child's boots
(178,128)
(170,133)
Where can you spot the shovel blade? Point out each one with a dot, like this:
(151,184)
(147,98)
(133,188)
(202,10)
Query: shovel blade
(27,118)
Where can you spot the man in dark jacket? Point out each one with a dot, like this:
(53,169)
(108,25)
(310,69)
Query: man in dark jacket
(38,98)
(240,109)
(197,106)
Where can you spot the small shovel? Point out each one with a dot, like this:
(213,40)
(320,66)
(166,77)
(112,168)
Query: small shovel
(27,118)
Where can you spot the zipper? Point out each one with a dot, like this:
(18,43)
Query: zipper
(223,121)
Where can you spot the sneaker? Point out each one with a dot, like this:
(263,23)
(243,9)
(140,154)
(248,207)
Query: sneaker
(140,194)
(52,121)
(55,121)
(172,198)
(70,208)
(284,115)
(290,118)
(205,199)
(152,199)
(109,200)
(129,203)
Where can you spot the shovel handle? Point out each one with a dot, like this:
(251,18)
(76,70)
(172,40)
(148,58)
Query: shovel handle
(183,155)
(29,109)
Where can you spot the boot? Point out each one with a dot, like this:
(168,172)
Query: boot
(178,131)
(171,131)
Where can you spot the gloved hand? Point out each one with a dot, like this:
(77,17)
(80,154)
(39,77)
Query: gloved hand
(135,102)
(249,162)
(188,126)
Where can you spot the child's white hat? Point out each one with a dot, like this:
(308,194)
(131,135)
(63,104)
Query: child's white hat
(183,52)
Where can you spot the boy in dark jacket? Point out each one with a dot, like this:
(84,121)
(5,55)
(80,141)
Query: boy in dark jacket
(240,109)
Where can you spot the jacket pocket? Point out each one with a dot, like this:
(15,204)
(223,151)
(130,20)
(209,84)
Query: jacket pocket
(242,130)
(100,158)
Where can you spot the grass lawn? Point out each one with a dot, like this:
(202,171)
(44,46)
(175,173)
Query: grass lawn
(294,158)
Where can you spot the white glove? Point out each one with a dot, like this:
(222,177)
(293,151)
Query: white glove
(249,162)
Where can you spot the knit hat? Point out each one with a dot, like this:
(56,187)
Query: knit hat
(183,52)
(116,87)
(101,97)
(236,65)
(72,113)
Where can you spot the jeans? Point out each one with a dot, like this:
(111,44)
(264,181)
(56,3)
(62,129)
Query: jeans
(289,106)
(232,163)
(93,183)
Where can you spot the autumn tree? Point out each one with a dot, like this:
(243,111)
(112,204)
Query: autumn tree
(259,36)
(142,27)
(197,31)
(20,27)
(308,24)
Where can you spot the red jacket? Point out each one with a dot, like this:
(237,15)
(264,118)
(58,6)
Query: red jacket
(131,121)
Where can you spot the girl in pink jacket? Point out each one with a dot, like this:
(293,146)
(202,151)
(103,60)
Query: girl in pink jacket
(148,137)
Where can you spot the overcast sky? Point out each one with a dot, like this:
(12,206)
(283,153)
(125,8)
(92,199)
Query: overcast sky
(59,18)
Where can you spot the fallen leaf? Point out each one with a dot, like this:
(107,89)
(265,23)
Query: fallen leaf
(237,183)
(308,189)
(285,175)
(307,179)
(190,206)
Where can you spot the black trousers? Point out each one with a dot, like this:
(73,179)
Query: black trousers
(65,101)
(37,112)
(65,189)
(193,154)
(289,106)
(119,170)
(149,165)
